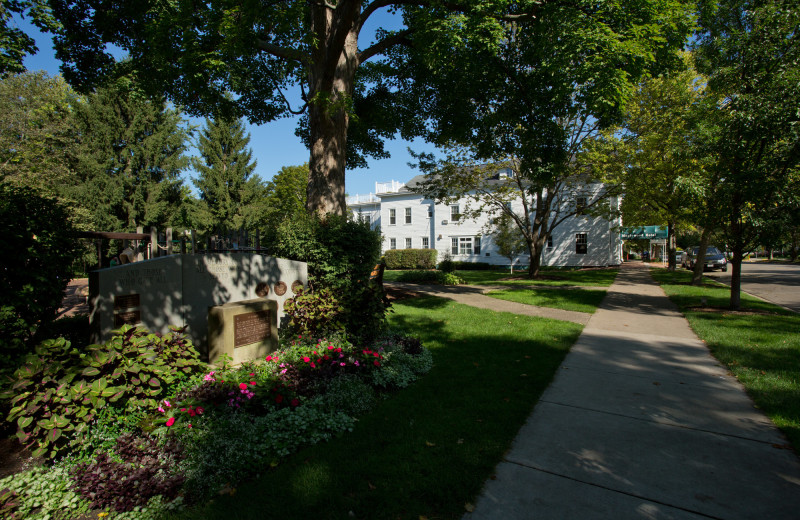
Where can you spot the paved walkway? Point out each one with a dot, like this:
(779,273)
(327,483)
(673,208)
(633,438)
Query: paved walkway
(474,295)
(641,422)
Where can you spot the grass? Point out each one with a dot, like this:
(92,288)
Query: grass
(552,277)
(427,450)
(580,300)
(761,348)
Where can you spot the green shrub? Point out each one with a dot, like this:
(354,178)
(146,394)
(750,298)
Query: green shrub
(340,254)
(59,390)
(410,258)
(37,248)
(349,394)
(430,277)
(315,314)
(41,493)
(447,265)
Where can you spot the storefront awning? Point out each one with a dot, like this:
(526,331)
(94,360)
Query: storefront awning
(643,233)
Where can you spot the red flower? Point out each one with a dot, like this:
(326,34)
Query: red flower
(243,386)
(269,358)
(252,374)
(200,410)
(306,359)
(170,421)
(191,412)
(339,349)
(295,402)
(326,357)
(252,383)
(330,347)
(279,398)
(377,363)
(376,354)
(313,365)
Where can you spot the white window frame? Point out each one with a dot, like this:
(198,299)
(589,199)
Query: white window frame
(392,216)
(425,243)
(581,203)
(476,245)
(408,215)
(408,243)
(464,245)
(455,212)
(581,239)
(392,243)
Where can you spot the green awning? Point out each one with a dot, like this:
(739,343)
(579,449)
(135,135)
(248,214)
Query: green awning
(643,232)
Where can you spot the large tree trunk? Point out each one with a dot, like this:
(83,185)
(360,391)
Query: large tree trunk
(671,246)
(331,88)
(699,261)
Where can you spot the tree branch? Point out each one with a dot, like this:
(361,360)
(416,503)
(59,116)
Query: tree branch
(281,52)
(384,44)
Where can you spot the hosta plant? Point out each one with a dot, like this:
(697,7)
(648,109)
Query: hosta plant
(58,390)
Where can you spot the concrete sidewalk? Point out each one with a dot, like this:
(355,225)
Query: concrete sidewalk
(641,422)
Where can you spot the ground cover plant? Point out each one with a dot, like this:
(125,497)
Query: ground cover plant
(157,429)
(599,277)
(580,300)
(426,452)
(759,344)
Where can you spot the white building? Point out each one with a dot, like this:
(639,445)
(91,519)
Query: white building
(409,220)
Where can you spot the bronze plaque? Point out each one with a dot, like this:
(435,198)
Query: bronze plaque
(251,327)
(280,288)
(127,301)
(262,289)
(127,318)
(297,287)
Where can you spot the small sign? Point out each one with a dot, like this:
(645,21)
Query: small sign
(251,327)
(127,301)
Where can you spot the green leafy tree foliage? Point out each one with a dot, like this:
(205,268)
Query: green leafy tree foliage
(130,159)
(230,194)
(650,155)
(550,85)
(197,52)
(286,195)
(14,43)
(38,136)
(751,55)
(37,248)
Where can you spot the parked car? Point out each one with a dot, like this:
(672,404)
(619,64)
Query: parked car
(714,259)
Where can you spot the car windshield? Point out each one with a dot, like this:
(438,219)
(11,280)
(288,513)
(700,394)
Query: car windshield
(712,251)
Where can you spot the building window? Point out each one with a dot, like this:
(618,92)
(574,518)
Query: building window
(430,211)
(425,244)
(454,246)
(408,243)
(392,243)
(455,213)
(581,245)
(392,217)
(477,246)
(408,215)
(580,205)
(549,241)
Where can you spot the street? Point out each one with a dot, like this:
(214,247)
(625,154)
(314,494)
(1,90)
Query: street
(776,283)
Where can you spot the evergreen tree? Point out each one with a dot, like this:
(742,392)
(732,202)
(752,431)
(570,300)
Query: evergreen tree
(231,196)
(131,157)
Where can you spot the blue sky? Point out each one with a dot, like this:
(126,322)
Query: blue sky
(274,144)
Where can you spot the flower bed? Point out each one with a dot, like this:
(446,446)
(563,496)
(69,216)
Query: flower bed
(183,439)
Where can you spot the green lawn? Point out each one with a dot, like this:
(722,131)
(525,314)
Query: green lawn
(580,300)
(761,350)
(427,450)
(550,276)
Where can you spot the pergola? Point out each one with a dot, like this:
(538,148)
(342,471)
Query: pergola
(656,235)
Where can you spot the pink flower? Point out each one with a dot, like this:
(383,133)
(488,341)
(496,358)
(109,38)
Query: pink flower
(167,403)
(356,363)
(330,347)
(170,421)
(283,371)
(209,377)
(160,409)
(252,374)
(306,359)
(269,358)
(313,365)
(200,410)
(189,425)
(342,364)
(243,386)
(252,383)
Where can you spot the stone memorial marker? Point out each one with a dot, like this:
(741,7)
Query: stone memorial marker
(182,289)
